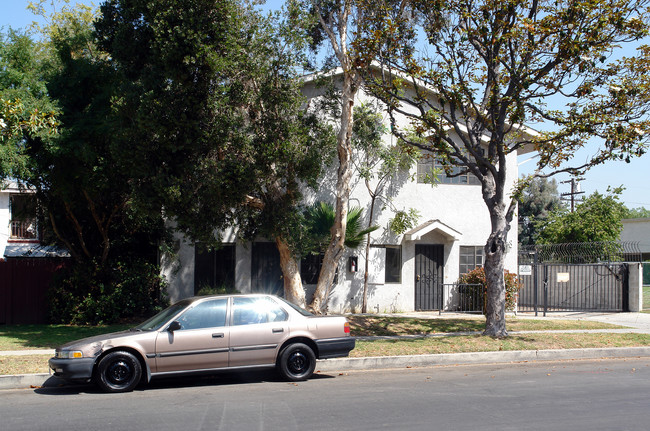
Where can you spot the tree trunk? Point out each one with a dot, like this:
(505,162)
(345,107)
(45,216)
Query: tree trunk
(293,290)
(495,250)
(364,303)
(336,246)
(495,314)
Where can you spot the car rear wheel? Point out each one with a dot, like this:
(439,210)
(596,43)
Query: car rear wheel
(297,362)
(118,371)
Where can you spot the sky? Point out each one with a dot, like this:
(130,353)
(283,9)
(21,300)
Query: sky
(633,176)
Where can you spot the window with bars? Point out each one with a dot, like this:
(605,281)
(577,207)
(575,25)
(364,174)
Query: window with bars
(24,225)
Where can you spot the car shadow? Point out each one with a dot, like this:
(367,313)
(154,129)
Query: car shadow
(56,386)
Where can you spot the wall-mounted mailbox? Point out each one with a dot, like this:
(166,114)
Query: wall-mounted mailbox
(353,264)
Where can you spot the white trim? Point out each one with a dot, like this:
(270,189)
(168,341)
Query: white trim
(418,232)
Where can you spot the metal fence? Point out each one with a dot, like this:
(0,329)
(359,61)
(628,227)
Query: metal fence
(580,253)
(563,287)
(464,298)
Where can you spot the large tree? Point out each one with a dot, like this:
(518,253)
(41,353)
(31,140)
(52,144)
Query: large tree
(83,194)
(331,24)
(212,104)
(477,71)
(596,219)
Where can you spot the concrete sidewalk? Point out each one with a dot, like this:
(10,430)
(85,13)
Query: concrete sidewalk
(635,323)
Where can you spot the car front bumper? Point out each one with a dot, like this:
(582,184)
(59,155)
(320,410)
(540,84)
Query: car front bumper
(72,369)
(335,347)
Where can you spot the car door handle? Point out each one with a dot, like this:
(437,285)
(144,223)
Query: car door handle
(278,330)
(217,335)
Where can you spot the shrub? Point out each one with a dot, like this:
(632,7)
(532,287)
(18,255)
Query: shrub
(85,295)
(476,286)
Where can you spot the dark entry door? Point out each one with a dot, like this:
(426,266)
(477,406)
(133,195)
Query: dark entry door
(429,272)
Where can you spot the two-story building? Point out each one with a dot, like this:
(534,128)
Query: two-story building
(415,270)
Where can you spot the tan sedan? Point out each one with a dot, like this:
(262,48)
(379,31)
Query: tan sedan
(205,334)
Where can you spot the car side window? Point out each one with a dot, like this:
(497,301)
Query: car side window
(207,314)
(250,311)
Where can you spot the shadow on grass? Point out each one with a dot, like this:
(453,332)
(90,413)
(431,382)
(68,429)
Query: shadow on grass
(390,326)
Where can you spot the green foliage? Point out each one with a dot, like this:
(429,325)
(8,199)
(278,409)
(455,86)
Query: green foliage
(477,287)
(640,212)
(320,218)
(84,192)
(537,201)
(93,295)
(25,107)
(596,219)
(404,221)
(218,290)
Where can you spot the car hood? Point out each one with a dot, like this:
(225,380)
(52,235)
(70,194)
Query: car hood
(96,344)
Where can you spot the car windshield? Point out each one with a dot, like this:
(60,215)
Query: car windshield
(295,307)
(157,321)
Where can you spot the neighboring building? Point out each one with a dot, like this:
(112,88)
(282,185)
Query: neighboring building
(20,232)
(407,272)
(18,227)
(637,230)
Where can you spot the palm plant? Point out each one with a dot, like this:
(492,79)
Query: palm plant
(320,218)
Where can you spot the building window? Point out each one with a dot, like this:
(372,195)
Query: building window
(393,264)
(23,217)
(214,270)
(385,264)
(310,266)
(428,165)
(471,257)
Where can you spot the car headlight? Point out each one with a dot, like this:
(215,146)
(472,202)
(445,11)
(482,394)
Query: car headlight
(69,354)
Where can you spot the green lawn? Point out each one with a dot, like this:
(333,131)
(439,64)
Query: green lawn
(26,337)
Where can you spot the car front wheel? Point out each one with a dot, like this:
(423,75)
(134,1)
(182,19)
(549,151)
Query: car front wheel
(118,371)
(297,362)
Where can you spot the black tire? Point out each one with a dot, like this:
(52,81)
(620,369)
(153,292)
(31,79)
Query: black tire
(118,371)
(296,362)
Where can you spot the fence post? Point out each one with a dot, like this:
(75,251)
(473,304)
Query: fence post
(545,289)
(535,281)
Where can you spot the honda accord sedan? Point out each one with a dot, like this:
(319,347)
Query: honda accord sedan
(205,334)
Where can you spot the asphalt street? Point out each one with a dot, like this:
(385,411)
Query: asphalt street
(565,395)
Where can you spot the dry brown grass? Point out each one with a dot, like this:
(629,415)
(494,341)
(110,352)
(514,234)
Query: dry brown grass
(29,364)
(478,343)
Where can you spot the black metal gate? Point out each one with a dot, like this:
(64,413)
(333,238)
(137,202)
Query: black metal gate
(429,276)
(574,287)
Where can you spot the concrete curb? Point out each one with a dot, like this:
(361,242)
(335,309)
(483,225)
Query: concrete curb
(387,362)
(25,381)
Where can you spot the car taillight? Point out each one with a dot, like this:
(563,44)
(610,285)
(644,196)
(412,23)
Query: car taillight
(346,327)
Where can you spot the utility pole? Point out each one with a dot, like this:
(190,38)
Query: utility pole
(575,190)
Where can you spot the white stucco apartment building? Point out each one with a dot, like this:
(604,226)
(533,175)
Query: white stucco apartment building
(408,272)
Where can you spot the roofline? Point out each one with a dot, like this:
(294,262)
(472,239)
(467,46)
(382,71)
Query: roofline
(526,130)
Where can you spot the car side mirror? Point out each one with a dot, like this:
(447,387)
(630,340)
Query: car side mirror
(174,326)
